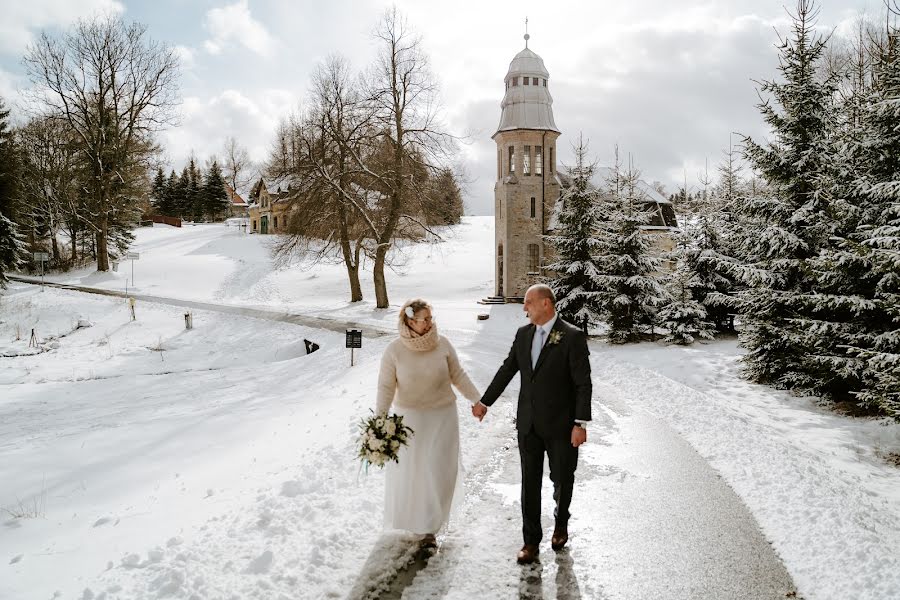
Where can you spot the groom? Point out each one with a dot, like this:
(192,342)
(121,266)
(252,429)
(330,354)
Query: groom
(551,356)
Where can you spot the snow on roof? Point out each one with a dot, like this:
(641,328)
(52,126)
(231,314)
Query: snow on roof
(602,173)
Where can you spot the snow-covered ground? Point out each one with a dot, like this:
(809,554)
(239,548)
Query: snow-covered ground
(141,460)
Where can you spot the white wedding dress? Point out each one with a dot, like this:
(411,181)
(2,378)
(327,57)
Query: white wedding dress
(421,490)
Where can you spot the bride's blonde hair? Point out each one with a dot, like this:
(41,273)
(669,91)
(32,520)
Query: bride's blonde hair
(415,305)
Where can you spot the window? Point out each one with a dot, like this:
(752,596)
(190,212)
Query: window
(545,83)
(534,81)
(515,81)
(532,207)
(525,81)
(499,164)
(526,161)
(538,160)
(512,161)
(275,222)
(254,224)
(551,161)
(499,209)
(534,252)
(507,84)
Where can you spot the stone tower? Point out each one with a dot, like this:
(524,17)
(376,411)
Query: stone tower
(527,188)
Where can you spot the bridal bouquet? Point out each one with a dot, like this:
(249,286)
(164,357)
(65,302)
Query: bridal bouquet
(381,437)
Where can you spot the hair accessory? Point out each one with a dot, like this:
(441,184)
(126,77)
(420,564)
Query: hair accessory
(409,312)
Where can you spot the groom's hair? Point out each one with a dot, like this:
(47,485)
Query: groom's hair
(544,291)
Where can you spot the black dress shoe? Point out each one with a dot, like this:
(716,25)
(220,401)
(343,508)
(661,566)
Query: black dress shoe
(528,554)
(559,539)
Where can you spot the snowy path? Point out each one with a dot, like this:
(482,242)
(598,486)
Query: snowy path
(319,322)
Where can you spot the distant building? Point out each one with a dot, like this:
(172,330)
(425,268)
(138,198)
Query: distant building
(237,206)
(268,208)
(527,188)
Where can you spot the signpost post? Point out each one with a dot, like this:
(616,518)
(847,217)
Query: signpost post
(42,256)
(354,340)
(132,256)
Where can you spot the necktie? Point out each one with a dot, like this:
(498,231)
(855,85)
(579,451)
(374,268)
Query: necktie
(536,346)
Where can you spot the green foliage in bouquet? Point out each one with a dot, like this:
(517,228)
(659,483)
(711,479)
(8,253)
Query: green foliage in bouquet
(380,439)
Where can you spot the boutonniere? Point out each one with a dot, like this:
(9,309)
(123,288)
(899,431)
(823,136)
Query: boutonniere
(554,338)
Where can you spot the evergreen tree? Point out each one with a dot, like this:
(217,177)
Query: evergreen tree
(158,193)
(11,242)
(857,349)
(711,257)
(684,317)
(575,281)
(790,222)
(195,202)
(629,288)
(181,195)
(172,202)
(214,194)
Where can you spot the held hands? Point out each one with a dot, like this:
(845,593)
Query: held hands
(479,410)
(579,435)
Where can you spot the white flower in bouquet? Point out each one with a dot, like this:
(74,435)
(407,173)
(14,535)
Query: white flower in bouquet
(380,439)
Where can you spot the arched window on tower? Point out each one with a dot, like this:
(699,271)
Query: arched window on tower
(499,164)
(526,161)
(533,207)
(511,169)
(551,160)
(539,160)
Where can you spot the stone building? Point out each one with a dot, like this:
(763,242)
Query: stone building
(527,187)
(268,209)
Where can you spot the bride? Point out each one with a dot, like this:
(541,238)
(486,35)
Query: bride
(416,372)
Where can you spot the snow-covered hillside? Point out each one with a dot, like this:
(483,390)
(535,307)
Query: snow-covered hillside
(142,460)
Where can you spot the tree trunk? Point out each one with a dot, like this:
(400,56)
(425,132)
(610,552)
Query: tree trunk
(102,250)
(74,233)
(381,295)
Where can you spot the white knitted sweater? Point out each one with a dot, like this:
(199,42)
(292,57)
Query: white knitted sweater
(416,372)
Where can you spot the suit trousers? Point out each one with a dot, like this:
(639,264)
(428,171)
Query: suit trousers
(563,460)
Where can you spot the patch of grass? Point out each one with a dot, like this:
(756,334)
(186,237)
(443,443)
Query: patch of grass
(33,509)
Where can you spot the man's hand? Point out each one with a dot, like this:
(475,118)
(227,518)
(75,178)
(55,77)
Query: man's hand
(579,435)
(479,410)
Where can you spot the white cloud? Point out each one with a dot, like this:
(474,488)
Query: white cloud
(21,19)
(233,24)
(185,56)
(205,123)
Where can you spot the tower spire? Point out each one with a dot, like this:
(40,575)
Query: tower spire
(527,37)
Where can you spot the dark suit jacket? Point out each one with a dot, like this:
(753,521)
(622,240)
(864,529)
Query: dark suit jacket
(557,392)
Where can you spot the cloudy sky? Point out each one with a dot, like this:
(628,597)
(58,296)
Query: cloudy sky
(666,81)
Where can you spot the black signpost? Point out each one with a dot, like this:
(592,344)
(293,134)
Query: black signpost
(354,340)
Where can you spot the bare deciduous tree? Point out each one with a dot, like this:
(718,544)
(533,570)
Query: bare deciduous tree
(236,165)
(114,87)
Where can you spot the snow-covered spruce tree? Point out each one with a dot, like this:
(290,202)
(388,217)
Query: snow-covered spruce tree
(630,291)
(574,272)
(866,264)
(11,242)
(789,222)
(710,258)
(215,197)
(684,317)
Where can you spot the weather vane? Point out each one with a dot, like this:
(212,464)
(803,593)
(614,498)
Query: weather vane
(527,37)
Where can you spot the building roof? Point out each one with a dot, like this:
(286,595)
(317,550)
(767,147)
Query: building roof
(527,106)
(236,199)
